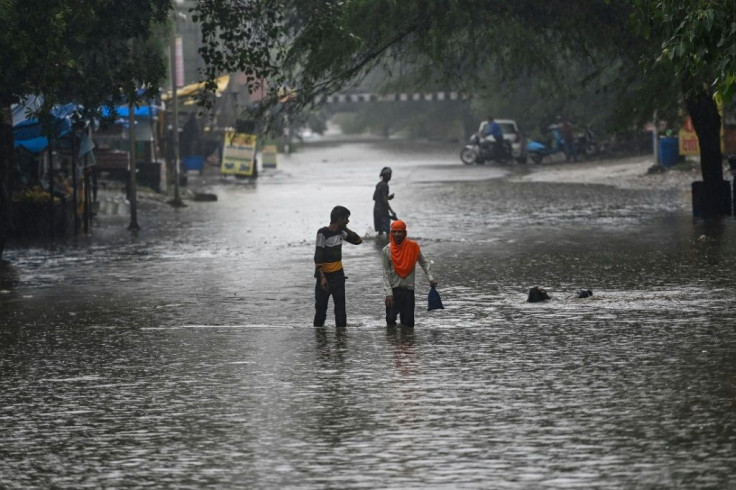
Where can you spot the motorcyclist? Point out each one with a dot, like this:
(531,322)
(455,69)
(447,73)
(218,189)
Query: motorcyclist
(488,129)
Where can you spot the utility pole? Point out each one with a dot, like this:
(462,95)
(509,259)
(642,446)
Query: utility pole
(75,183)
(655,138)
(52,228)
(176,202)
(133,188)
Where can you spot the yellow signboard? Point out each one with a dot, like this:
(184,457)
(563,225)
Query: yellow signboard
(689,144)
(688,140)
(238,154)
(268,154)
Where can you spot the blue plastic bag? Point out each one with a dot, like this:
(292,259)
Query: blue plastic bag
(434,301)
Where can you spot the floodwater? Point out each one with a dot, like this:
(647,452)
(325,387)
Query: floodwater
(185,357)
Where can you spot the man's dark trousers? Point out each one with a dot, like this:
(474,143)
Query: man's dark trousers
(336,289)
(403,308)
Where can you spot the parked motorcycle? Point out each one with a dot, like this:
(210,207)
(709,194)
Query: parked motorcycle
(587,145)
(477,152)
(538,151)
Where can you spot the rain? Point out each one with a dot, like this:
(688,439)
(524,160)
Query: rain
(184,355)
(165,183)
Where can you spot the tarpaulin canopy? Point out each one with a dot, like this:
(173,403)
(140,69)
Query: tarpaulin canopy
(31,128)
(33,145)
(123,111)
(20,111)
(28,133)
(194,88)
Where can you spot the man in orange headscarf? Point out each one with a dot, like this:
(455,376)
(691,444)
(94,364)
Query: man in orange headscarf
(400,259)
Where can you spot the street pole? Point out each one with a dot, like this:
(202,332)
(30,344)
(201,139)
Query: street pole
(75,192)
(133,188)
(51,182)
(655,138)
(177,202)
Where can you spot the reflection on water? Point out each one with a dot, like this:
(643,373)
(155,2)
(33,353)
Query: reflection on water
(186,357)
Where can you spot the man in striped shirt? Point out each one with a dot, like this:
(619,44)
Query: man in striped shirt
(328,266)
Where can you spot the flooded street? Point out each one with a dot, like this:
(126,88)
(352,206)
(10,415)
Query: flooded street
(185,357)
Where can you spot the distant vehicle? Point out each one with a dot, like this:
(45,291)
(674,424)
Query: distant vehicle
(477,151)
(587,145)
(306,134)
(538,151)
(513,135)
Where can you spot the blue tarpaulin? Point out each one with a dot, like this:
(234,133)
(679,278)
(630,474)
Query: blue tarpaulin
(29,104)
(34,145)
(142,112)
(29,134)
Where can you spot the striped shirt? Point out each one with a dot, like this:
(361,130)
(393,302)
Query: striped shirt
(328,252)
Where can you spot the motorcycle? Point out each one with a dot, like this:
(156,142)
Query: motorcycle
(587,145)
(538,151)
(479,151)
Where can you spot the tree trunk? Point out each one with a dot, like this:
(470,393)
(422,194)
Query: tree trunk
(7,164)
(712,200)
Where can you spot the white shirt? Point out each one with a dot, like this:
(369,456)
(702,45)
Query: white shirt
(392,280)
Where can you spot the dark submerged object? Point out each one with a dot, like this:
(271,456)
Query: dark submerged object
(205,197)
(585,293)
(537,294)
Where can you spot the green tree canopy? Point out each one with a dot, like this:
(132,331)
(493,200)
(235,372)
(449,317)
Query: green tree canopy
(88,51)
(92,52)
(474,46)
(647,50)
(697,38)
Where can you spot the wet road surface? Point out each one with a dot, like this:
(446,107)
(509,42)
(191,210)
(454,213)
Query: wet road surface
(184,356)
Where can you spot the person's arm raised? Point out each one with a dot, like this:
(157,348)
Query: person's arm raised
(353,237)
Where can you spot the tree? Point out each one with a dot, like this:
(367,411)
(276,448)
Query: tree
(473,46)
(589,93)
(80,51)
(698,39)
(318,46)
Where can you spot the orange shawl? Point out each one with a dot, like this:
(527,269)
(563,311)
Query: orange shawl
(404,256)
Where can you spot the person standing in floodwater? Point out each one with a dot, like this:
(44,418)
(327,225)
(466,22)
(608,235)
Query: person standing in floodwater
(382,212)
(400,258)
(328,266)
(568,139)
